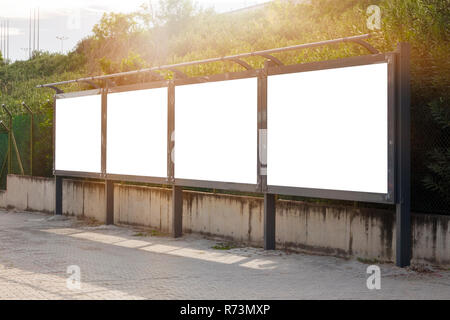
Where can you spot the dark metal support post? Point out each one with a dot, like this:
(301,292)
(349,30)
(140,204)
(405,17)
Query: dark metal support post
(104,129)
(269,221)
(177,211)
(171,133)
(269,199)
(109,194)
(109,184)
(177,192)
(403,207)
(58,195)
(262,129)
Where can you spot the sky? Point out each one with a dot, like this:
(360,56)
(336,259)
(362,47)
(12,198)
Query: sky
(73,20)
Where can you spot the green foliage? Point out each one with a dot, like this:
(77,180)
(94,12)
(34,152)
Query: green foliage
(438,179)
(18,80)
(179,30)
(18,83)
(441,113)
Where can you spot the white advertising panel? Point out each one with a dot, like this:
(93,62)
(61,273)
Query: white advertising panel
(78,134)
(137,133)
(328,129)
(216,131)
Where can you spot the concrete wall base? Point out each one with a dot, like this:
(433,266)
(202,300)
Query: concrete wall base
(300,226)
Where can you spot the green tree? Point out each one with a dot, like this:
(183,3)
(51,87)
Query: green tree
(438,177)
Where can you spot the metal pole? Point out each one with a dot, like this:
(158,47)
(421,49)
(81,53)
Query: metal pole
(19,160)
(269,221)
(177,192)
(58,195)
(34,29)
(38,18)
(2,40)
(29,37)
(262,128)
(104,129)
(28,109)
(177,211)
(109,185)
(354,39)
(9,139)
(171,133)
(109,193)
(7,40)
(269,199)
(403,207)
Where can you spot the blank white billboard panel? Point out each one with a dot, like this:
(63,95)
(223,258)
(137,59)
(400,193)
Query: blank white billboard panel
(137,133)
(328,129)
(78,135)
(216,131)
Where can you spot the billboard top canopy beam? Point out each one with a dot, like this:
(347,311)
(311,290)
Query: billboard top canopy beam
(267,54)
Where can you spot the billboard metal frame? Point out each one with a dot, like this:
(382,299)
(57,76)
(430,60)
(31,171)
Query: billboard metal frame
(398,145)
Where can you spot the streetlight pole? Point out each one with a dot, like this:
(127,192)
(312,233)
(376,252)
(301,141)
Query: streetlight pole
(62,39)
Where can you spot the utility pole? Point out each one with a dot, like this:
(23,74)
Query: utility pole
(7,28)
(38,21)
(1,38)
(62,39)
(34,30)
(5,37)
(29,37)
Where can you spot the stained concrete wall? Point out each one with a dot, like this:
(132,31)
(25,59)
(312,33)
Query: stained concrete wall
(136,205)
(300,226)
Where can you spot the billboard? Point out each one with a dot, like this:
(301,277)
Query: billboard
(78,134)
(328,132)
(137,133)
(328,129)
(216,131)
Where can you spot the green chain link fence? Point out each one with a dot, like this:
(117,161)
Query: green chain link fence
(27,157)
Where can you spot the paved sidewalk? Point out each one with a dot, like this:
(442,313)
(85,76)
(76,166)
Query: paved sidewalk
(124,263)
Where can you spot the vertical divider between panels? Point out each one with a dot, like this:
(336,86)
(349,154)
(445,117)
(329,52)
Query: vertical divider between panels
(262,131)
(171,133)
(109,184)
(403,127)
(392,64)
(104,93)
(269,199)
(54,134)
(58,179)
(177,191)
(58,195)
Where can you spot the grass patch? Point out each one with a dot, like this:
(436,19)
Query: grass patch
(89,222)
(139,234)
(223,246)
(151,233)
